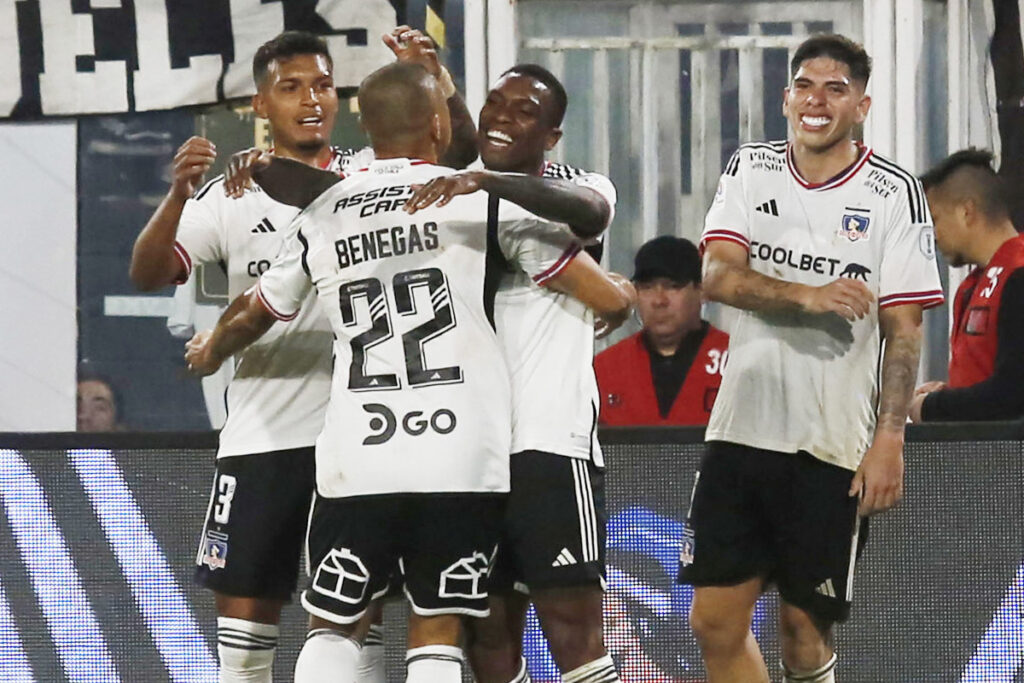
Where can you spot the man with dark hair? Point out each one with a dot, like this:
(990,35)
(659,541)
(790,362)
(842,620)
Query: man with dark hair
(410,494)
(824,247)
(669,372)
(97,405)
(552,550)
(969,203)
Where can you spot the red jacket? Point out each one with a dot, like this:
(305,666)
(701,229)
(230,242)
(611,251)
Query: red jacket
(976,316)
(627,388)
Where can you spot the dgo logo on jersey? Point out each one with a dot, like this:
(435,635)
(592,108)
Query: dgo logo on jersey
(854,226)
(385,424)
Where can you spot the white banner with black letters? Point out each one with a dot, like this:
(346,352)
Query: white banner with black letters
(106,56)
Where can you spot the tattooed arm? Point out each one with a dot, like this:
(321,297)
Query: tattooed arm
(729,279)
(879,478)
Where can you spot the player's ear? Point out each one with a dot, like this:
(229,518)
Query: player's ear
(259,105)
(862,108)
(553,136)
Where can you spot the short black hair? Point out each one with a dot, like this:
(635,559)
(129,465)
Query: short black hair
(968,174)
(837,47)
(86,373)
(285,46)
(542,75)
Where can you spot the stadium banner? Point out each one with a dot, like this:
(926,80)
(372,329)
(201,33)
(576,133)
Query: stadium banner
(72,57)
(99,534)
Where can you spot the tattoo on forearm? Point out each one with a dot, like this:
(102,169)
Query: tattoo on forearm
(899,373)
(756,291)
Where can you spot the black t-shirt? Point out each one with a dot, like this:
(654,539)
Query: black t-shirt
(669,372)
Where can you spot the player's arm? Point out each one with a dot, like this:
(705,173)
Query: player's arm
(245,320)
(154,262)
(1001,396)
(728,278)
(284,180)
(410,45)
(879,479)
(610,295)
(583,209)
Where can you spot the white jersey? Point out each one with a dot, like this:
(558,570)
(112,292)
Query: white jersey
(279,392)
(421,400)
(548,340)
(809,382)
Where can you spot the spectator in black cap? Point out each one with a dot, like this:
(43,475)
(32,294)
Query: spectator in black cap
(669,372)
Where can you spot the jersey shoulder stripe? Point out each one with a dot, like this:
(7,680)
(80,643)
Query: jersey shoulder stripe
(553,169)
(915,194)
(206,188)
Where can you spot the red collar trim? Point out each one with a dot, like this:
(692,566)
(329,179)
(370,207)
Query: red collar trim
(834,181)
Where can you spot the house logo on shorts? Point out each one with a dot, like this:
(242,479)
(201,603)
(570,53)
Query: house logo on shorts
(342,576)
(854,226)
(215,550)
(462,579)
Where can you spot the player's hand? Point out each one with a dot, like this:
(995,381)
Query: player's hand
(920,394)
(199,358)
(238,176)
(442,190)
(191,162)
(410,45)
(848,298)
(605,325)
(879,479)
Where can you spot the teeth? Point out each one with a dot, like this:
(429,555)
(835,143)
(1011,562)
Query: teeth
(499,137)
(816,120)
(311,119)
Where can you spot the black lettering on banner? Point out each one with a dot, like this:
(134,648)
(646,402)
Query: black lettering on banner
(161,55)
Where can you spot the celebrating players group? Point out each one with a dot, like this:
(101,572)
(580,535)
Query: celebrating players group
(414,393)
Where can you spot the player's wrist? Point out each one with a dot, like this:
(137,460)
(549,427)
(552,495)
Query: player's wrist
(447,84)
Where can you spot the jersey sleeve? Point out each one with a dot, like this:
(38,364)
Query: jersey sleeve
(285,285)
(909,273)
(201,232)
(604,187)
(727,218)
(540,248)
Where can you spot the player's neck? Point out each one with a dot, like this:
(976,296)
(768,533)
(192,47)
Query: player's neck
(819,166)
(425,151)
(992,239)
(311,157)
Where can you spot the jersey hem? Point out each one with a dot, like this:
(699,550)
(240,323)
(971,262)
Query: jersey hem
(558,266)
(270,309)
(777,446)
(928,299)
(186,263)
(724,235)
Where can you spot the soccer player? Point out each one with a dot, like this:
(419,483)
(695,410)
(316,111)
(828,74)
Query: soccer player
(249,549)
(826,248)
(552,550)
(420,488)
(971,208)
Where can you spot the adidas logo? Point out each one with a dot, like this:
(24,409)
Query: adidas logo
(264,226)
(826,589)
(769,207)
(564,559)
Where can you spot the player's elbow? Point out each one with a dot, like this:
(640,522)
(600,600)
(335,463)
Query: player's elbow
(144,279)
(714,280)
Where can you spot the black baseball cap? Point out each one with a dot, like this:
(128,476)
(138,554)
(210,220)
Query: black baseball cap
(667,256)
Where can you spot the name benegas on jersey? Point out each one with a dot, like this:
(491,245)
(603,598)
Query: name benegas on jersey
(385,242)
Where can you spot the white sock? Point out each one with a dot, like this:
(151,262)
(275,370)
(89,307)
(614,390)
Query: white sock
(824,674)
(246,650)
(598,671)
(327,656)
(433,664)
(524,675)
(371,661)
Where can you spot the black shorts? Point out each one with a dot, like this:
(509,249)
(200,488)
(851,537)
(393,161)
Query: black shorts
(786,517)
(441,545)
(255,524)
(554,533)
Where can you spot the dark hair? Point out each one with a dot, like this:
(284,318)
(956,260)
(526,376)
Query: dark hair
(87,374)
(542,75)
(285,46)
(837,47)
(970,175)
